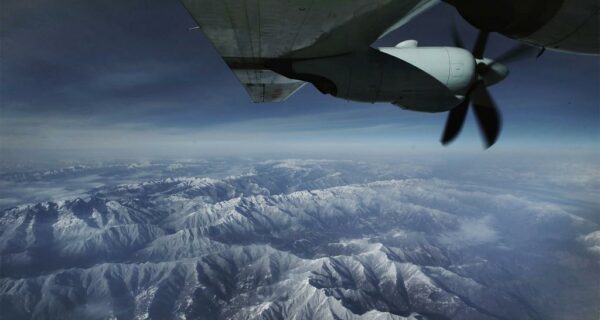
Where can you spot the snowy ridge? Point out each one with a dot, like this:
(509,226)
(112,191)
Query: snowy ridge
(294,239)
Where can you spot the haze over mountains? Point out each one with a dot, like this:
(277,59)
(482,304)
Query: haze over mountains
(302,239)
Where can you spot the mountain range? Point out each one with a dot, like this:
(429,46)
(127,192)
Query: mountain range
(295,239)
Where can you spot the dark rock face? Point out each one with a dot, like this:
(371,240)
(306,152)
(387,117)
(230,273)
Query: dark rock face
(298,239)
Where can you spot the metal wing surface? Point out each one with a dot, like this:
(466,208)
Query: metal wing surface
(249,32)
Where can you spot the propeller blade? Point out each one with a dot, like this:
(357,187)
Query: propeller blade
(455,121)
(480,44)
(487,115)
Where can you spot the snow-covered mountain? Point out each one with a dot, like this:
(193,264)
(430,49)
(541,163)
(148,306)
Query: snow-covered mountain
(296,239)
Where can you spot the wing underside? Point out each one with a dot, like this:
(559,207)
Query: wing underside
(266,85)
(293,29)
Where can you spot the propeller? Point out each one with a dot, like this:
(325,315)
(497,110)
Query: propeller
(488,72)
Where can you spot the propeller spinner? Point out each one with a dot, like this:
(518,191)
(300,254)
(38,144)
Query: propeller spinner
(488,73)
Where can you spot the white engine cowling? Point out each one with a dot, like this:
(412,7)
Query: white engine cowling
(454,67)
(422,79)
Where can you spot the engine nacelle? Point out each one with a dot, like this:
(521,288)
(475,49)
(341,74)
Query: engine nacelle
(570,25)
(454,67)
(422,79)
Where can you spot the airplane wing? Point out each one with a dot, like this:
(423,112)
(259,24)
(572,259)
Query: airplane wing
(267,86)
(249,32)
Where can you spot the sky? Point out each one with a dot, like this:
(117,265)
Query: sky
(109,79)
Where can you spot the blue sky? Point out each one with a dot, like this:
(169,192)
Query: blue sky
(126,78)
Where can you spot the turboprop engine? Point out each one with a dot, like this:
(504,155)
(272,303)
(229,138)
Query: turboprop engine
(569,25)
(427,79)
(422,79)
(434,79)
